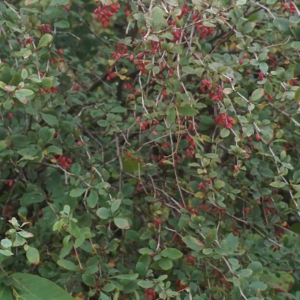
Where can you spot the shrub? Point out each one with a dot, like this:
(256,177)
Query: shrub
(149,149)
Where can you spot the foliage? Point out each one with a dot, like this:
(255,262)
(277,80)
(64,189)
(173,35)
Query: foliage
(149,149)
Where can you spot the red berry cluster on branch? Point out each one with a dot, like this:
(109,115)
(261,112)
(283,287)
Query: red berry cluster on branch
(190,150)
(48,90)
(105,12)
(110,74)
(25,42)
(200,28)
(289,7)
(177,35)
(45,28)
(127,11)
(64,161)
(215,93)
(224,120)
(184,11)
(121,51)
(149,294)
(180,285)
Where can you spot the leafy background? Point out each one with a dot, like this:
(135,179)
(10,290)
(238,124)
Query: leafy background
(149,149)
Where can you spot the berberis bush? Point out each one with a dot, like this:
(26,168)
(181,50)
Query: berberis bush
(149,149)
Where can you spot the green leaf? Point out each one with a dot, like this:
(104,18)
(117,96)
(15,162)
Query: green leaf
(50,120)
(103,213)
(282,24)
(121,223)
(210,237)
(24,74)
(297,95)
(244,273)
(278,184)
(54,149)
(7,252)
(28,2)
(62,24)
(31,198)
(77,192)
(5,292)
(165,263)
(171,115)
(32,287)
(104,297)
(230,243)
(59,2)
(264,67)
(171,253)
(89,279)
(115,205)
(257,94)
(193,243)
(143,263)
(23,94)
(256,268)
(24,52)
(45,40)
(159,22)
(126,276)
(47,82)
(145,284)
(92,199)
(3,145)
(218,184)
(68,265)
(6,243)
(32,254)
(187,111)
(258,285)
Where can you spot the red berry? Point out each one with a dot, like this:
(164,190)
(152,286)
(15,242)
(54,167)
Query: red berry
(60,51)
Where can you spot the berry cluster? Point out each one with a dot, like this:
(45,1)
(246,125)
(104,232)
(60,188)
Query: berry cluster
(25,42)
(190,260)
(180,285)
(224,120)
(184,11)
(156,223)
(127,11)
(177,35)
(190,150)
(142,65)
(215,93)
(48,91)
(149,294)
(110,74)
(45,28)
(289,7)
(105,12)
(121,51)
(200,28)
(155,47)
(64,161)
